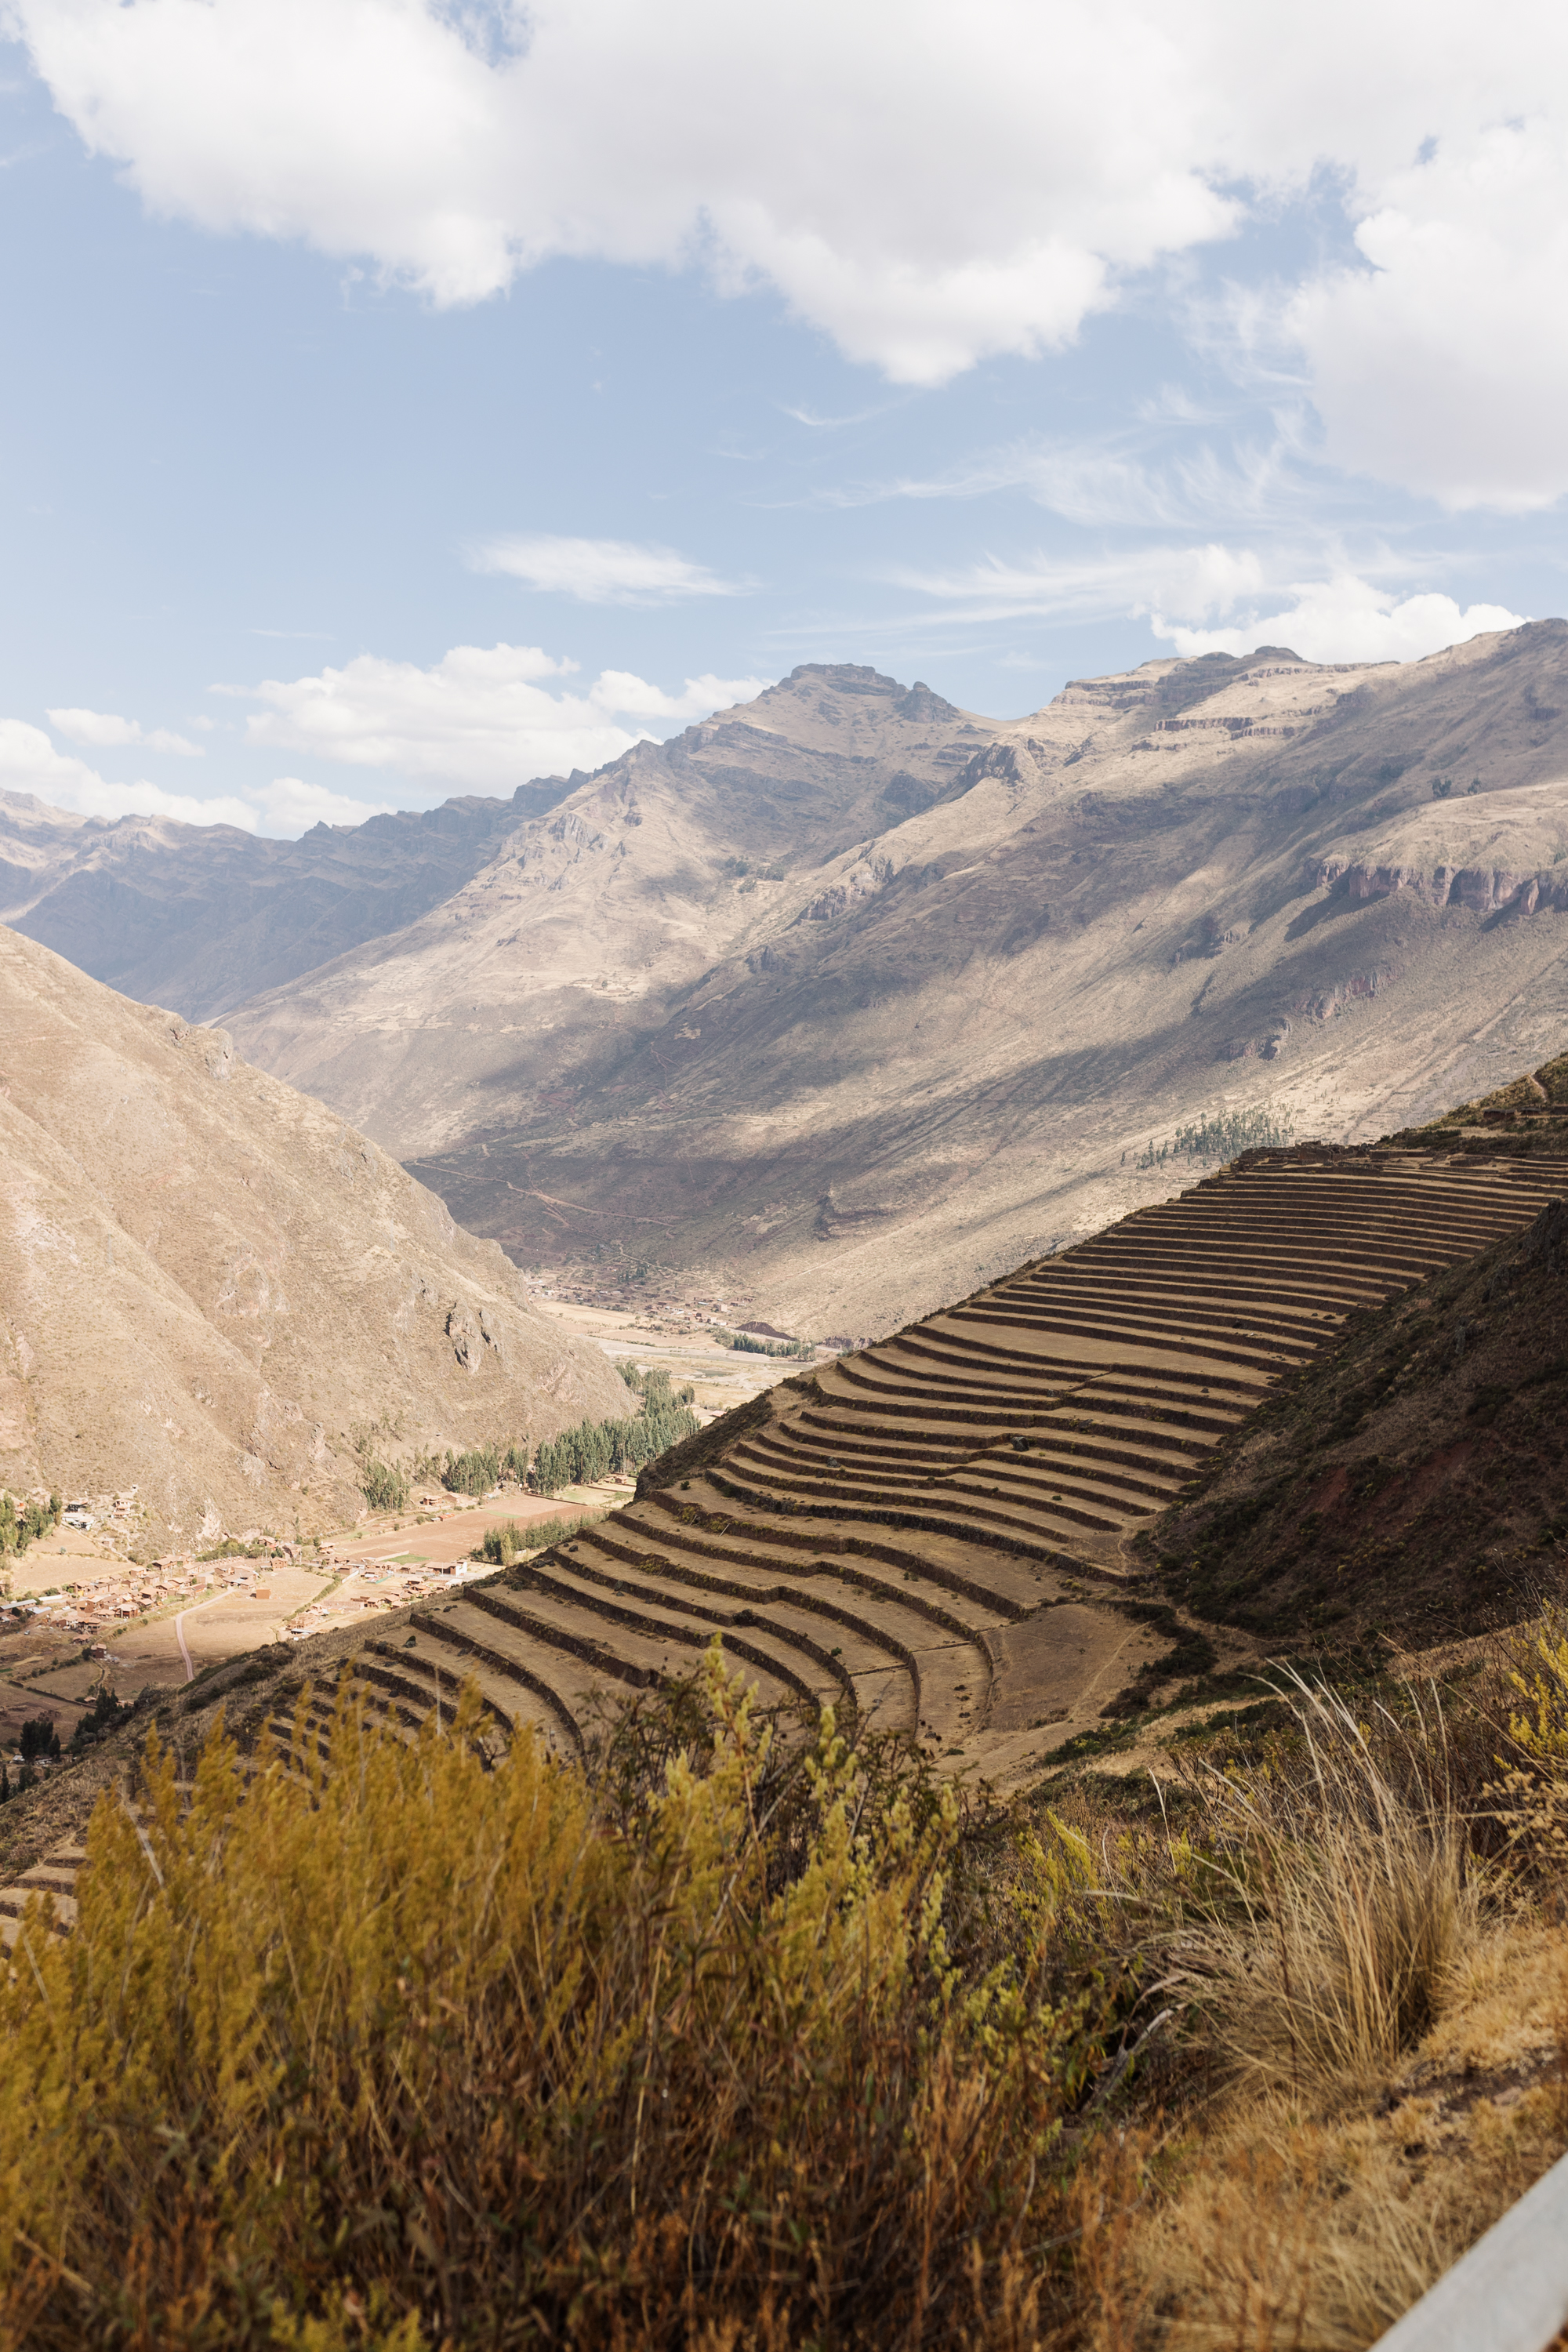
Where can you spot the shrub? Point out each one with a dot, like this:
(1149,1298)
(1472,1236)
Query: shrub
(1344,1898)
(100,1717)
(18,1529)
(427,2048)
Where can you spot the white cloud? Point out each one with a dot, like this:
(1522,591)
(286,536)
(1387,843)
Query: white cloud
(1217,599)
(1194,583)
(601,570)
(1344,619)
(30,763)
(477,720)
(289,806)
(1444,365)
(104,732)
(926,185)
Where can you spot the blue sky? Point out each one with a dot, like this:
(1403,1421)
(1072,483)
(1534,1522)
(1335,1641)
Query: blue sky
(407,398)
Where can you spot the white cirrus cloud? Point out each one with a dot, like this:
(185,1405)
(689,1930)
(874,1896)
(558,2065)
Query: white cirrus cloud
(1217,599)
(29,763)
(600,570)
(479,718)
(104,731)
(1195,584)
(1345,619)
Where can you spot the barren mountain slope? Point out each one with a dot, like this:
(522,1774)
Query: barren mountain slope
(1205,884)
(590,924)
(201,917)
(206,1280)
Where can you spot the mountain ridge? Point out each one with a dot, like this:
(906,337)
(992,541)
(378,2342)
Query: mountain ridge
(212,1289)
(933,1053)
(201,917)
(845,996)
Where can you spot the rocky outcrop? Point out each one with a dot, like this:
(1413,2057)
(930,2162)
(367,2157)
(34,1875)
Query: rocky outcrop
(1266,1044)
(1015,764)
(1485,890)
(1355,987)
(863,881)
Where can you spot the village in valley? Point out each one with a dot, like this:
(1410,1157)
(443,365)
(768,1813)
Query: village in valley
(95,1607)
(83,1617)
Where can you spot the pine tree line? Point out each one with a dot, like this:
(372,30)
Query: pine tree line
(578,1458)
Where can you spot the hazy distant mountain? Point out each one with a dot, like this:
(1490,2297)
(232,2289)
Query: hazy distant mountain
(208,1280)
(201,917)
(852,996)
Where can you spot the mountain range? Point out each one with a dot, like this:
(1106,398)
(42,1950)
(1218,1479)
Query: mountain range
(847,995)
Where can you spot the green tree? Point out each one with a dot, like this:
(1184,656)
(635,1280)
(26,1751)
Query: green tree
(473,1473)
(384,1489)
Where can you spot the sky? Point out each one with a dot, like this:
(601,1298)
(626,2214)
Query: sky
(411,397)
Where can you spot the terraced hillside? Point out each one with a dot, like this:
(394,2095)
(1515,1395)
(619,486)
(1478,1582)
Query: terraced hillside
(932,1532)
(935,1533)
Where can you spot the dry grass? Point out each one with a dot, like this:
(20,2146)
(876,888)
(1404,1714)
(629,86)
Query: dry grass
(436,2050)
(1292,2234)
(1377,2032)
(720,2044)
(1349,1897)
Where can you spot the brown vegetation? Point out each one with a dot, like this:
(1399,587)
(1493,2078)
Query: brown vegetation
(728,2038)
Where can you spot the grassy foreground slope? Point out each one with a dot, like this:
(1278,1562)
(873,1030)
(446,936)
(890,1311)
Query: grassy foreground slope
(715,2039)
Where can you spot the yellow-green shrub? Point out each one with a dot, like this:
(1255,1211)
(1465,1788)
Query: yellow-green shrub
(425,2048)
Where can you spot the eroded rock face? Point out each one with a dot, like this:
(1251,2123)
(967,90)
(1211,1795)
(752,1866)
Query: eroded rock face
(207,1281)
(1484,890)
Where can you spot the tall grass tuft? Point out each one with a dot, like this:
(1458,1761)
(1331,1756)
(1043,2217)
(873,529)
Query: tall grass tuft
(428,2047)
(1346,1899)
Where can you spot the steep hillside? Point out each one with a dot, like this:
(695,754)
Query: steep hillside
(1411,1479)
(201,917)
(968,971)
(208,1280)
